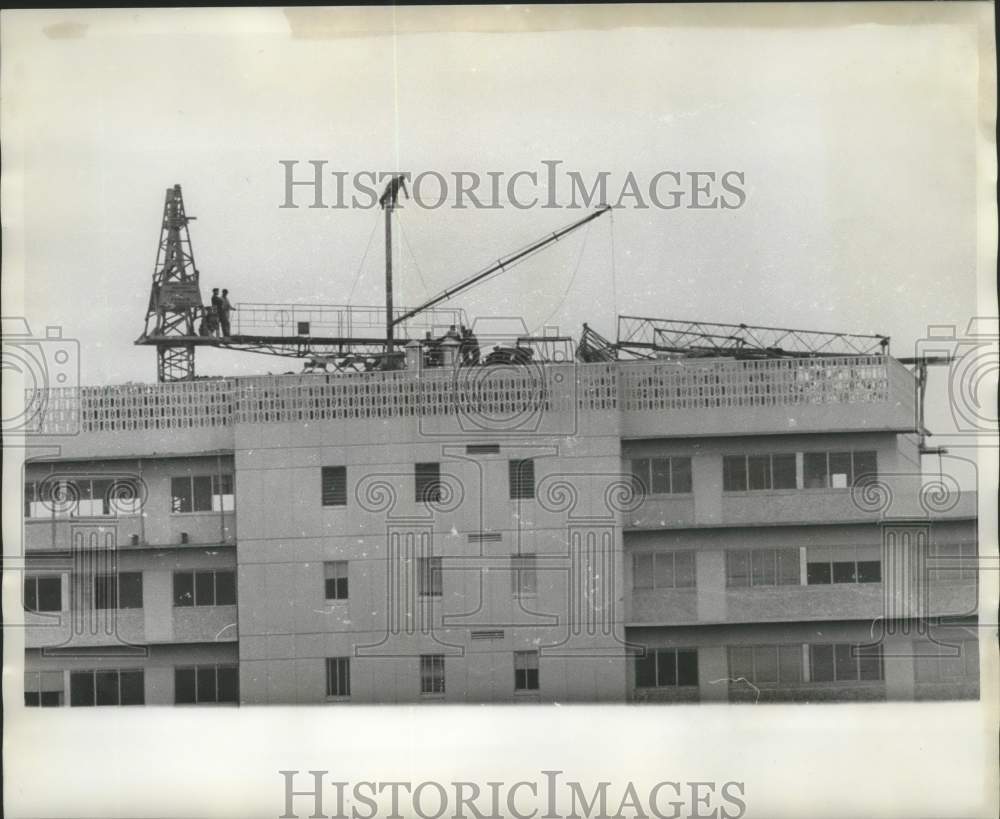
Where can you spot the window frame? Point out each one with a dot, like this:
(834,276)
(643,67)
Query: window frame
(338,678)
(333,486)
(341,574)
(853,478)
(964,562)
(427,482)
(828,569)
(112,583)
(781,578)
(33,495)
(217,483)
(793,650)
(654,573)
(837,653)
(197,670)
(35,580)
(193,574)
(747,472)
(517,481)
(94,686)
(527,676)
(39,690)
(654,654)
(432,675)
(643,479)
(430,580)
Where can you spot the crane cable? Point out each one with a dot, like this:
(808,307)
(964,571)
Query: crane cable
(572,280)
(416,264)
(361,266)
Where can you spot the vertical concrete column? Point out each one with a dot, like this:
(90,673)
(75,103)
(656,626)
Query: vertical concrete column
(713,674)
(158,606)
(706,483)
(159,682)
(900,675)
(710,577)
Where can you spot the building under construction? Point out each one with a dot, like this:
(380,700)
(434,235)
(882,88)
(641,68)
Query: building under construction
(434,511)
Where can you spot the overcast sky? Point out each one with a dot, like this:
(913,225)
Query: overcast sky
(857,143)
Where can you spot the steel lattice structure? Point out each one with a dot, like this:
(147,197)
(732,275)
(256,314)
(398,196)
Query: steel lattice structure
(640,337)
(175,297)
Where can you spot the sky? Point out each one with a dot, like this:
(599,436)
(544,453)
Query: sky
(856,135)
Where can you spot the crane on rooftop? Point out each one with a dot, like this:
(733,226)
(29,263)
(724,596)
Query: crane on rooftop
(177,322)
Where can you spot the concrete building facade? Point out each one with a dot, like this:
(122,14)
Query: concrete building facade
(682,530)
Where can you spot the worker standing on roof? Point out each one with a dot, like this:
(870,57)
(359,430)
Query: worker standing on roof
(216,309)
(224,315)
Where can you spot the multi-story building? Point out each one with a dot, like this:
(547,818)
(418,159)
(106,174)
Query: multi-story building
(677,530)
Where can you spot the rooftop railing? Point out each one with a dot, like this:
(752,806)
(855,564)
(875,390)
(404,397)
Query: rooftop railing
(647,386)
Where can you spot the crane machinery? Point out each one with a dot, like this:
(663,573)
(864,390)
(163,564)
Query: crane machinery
(371,338)
(342,335)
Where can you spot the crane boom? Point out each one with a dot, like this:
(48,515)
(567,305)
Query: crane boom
(501,264)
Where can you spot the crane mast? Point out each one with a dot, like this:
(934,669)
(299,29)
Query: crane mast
(175,296)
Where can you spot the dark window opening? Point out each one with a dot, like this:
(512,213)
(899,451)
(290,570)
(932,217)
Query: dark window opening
(205,588)
(525,670)
(338,677)
(334,485)
(427,482)
(335,580)
(43,594)
(522,479)
(666,667)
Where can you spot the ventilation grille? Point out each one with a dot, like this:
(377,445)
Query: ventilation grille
(482,449)
(488,634)
(485,537)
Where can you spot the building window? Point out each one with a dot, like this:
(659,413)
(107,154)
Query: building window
(522,479)
(427,482)
(207,588)
(34,507)
(764,665)
(524,575)
(107,687)
(333,485)
(118,591)
(206,683)
(429,576)
(335,576)
(202,493)
(432,673)
(81,497)
(525,670)
(663,570)
(662,476)
(827,565)
(43,593)
(754,473)
(952,562)
(666,667)
(338,676)
(43,689)
(762,567)
(947,662)
(838,470)
(845,662)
